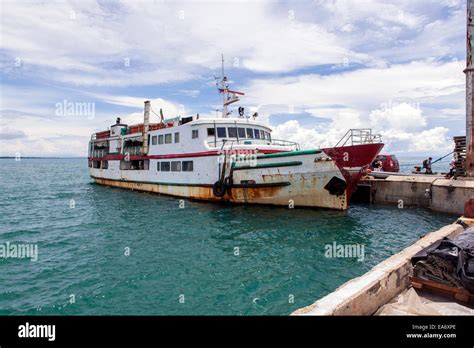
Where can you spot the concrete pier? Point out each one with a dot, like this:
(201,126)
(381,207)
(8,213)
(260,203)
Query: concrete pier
(428,191)
(366,294)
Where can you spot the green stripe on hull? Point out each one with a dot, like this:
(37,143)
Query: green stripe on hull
(268,165)
(287,154)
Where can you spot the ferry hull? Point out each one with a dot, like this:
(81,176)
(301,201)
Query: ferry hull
(295,179)
(302,191)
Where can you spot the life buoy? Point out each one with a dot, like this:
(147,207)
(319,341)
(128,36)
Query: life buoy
(219,188)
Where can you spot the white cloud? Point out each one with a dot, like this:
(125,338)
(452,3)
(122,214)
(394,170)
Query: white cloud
(403,51)
(7,133)
(139,43)
(307,138)
(170,109)
(402,116)
(398,31)
(44,137)
(139,102)
(432,141)
(364,88)
(88,43)
(64,147)
(390,100)
(193,93)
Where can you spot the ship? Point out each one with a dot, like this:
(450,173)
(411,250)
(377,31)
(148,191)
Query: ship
(229,159)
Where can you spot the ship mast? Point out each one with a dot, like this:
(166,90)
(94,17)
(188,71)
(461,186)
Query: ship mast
(228,96)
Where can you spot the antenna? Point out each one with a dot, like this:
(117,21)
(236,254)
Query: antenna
(224,88)
(222,55)
(228,96)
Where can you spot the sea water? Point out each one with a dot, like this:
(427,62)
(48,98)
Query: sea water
(103,250)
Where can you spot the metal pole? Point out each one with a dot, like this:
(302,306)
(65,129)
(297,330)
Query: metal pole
(224,90)
(146,125)
(469,92)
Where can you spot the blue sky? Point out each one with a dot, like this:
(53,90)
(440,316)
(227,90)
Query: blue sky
(312,69)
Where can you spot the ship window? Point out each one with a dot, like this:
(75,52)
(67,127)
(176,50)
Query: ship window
(221,133)
(250,133)
(135,165)
(157,166)
(257,133)
(211,132)
(241,132)
(187,166)
(96,164)
(154,140)
(176,137)
(262,134)
(140,164)
(165,166)
(176,166)
(195,133)
(168,139)
(160,139)
(232,132)
(105,164)
(268,136)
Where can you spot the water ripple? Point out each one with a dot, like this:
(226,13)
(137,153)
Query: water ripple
(204,259)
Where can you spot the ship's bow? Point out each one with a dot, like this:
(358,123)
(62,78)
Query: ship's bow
(353,162)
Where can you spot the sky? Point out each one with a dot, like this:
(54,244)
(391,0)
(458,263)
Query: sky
(312,69)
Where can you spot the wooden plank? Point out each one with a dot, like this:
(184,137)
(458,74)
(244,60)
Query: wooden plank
(459,294)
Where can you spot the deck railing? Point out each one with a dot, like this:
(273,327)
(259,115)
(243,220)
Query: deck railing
(359,137)
(231,142)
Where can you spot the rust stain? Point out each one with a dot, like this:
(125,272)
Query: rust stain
(374,289)
(304,192)
(247,194)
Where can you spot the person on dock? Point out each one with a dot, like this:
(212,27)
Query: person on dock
(377,164)
(452,169)
(427,165)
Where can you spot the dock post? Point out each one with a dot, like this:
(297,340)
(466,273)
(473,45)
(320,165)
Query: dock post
(146,125)
(469,92)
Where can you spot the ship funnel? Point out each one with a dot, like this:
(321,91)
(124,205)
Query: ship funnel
(146,126)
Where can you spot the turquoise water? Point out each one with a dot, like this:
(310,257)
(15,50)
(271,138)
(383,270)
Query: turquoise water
(182,261)
(407,164)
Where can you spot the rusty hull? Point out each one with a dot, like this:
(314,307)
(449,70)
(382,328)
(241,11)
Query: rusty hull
(296,189)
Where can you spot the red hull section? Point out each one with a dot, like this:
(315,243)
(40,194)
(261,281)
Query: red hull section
(353,161)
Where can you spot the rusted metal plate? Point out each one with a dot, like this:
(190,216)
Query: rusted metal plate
(304,191)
